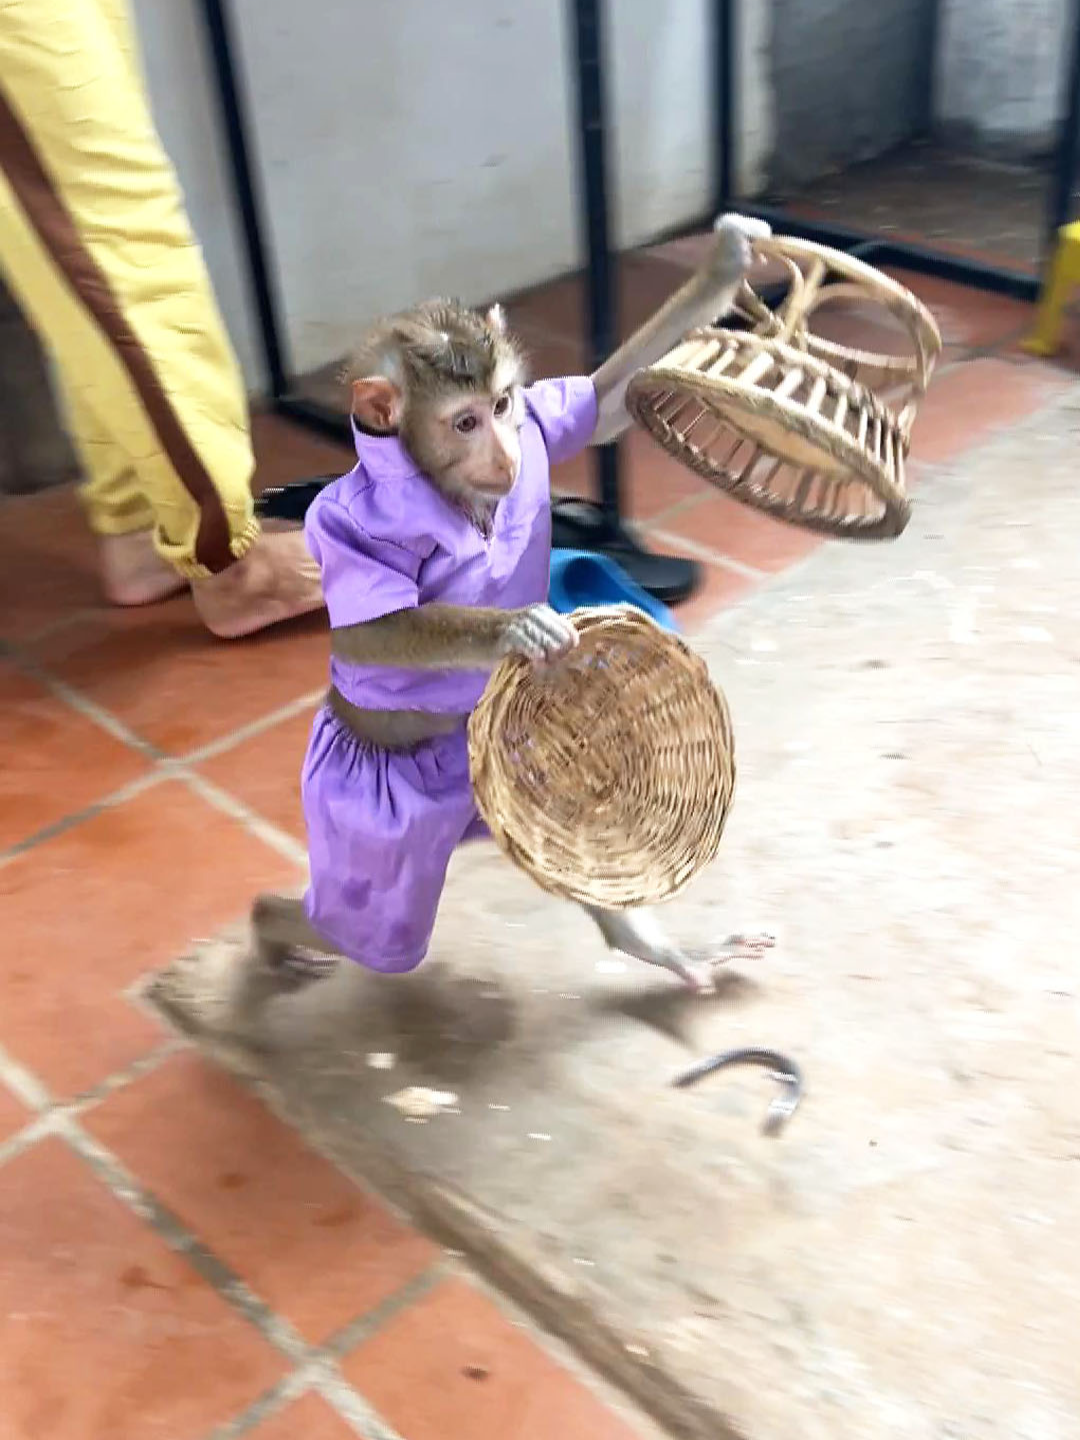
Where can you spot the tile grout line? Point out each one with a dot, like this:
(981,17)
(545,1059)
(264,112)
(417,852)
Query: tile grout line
(134,788)
(715,557)
(270,1403)
(84,706)
(313,1363)
(289,711)
(24,1084)
(352,1407)
(227,804)
(315,1367)
(323,1366)
(126,1188)
(164,766)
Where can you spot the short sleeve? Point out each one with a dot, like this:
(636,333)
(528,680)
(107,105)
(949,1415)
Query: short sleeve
(566,413)
(362,578)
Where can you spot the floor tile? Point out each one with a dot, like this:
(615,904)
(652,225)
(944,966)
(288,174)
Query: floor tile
(172,683)
(105,1333)
(728,527)
(644,279)
(720,588)
(551,355)
(89,911)
(1066,360)
(316,1247)
(264,772)
(48,564)
(309,1418)
(965,315)
(286,451)
(969,402)
(650,481)
(556,308)
(13,1114)
(453,1366)
(57,761)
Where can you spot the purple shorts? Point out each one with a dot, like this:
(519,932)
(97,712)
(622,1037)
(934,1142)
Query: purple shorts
(381,827)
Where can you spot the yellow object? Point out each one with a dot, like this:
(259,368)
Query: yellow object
(1063,278)
(96,248)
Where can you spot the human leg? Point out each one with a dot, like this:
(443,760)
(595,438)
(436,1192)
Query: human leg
(97,249)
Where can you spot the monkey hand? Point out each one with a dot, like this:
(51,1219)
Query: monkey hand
(733,252)
(539,633)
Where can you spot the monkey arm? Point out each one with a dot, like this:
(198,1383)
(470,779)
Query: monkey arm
(455,637)
(705,297)
(430,637)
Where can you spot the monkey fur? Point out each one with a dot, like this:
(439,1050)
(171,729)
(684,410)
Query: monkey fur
(447,381)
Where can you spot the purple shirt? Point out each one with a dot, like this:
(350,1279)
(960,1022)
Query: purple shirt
(386,540)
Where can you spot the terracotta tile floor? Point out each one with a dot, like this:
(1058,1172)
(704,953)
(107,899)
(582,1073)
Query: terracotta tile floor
(174,1261)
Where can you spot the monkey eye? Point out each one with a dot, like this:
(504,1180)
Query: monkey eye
(502,406)
(466,424)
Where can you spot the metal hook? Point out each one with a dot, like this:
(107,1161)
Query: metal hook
(785,1071)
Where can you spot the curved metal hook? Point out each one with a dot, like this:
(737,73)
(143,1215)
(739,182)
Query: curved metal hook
(786,1071)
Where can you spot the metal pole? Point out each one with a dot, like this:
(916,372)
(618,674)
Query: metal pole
(1068,148)
(926,96)
(724,94)
(600,287)
(219,35)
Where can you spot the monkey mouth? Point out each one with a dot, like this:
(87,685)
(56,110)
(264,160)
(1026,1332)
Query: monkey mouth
(498,487)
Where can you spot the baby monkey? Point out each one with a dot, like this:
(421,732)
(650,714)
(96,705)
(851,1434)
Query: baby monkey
(434,552)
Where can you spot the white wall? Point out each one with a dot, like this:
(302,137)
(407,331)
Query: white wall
(417,148)
(999,82)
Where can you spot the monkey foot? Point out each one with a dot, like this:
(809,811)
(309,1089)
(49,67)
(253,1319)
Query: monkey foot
(276,580)
(133,573)
(696,966)
(295,968)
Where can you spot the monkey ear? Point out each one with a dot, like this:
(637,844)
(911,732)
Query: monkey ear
(496,319)
(377,403)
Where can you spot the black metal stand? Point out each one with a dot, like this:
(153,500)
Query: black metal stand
(581,524)
(216,17)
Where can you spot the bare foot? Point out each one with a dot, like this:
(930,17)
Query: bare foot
(276,580)
(133,573)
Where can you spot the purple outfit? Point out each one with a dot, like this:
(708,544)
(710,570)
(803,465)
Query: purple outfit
(382,824)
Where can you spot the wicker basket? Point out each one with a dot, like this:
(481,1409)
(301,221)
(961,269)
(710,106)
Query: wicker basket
(609,777)
(798,425)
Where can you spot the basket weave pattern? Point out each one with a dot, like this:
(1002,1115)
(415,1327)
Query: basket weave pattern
(609,776)
(800,426)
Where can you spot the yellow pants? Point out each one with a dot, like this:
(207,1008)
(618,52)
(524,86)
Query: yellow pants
(97,250)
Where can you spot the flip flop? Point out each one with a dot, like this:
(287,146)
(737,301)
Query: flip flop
(291,501)
(583,578)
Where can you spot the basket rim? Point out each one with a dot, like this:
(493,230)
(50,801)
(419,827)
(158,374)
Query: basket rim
(740,398)
(782,247)
(486,718)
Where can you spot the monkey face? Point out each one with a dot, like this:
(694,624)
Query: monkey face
(448,381)
(467,441)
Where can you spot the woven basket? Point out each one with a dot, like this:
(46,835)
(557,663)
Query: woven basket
(793,423)
(609,777)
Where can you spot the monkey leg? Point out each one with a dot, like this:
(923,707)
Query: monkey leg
(638,933)
(288,954)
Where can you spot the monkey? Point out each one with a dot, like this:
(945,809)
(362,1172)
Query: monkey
(434,554)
